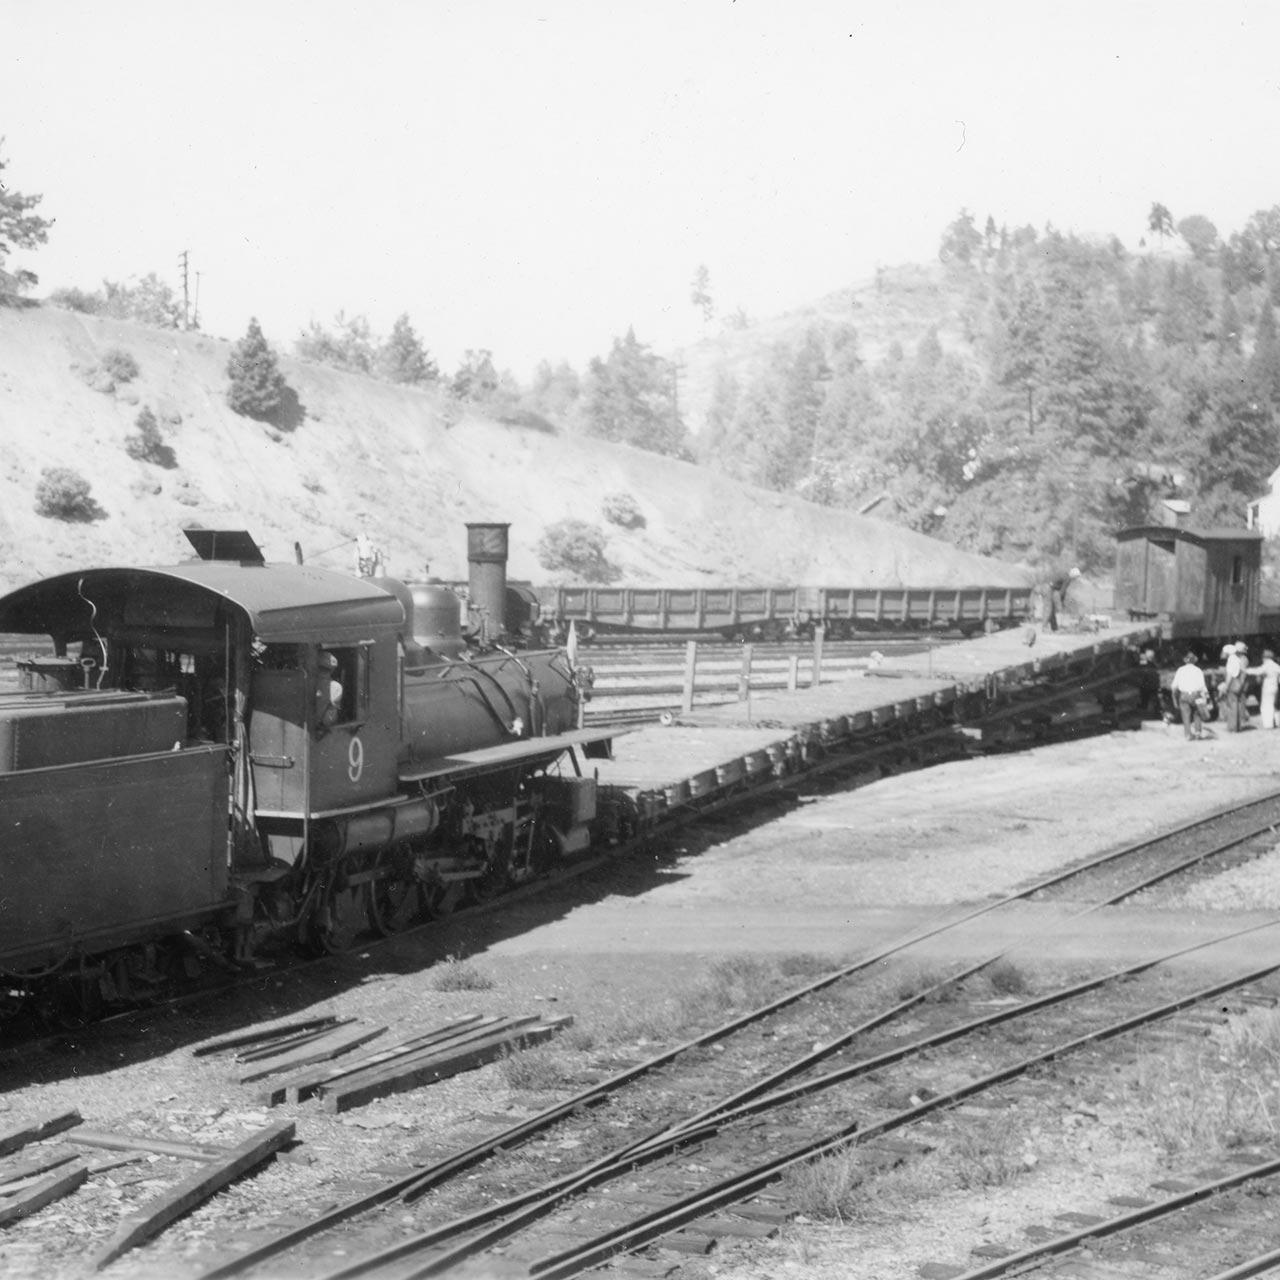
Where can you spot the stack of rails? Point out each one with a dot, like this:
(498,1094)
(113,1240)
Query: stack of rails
(714,751)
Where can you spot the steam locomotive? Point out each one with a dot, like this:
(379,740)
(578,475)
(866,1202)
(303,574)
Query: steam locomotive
(226,751)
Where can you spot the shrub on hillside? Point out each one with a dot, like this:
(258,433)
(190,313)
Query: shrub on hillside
(258,389)
(576,548)
(623,510)
(73,299)
(119,364)
(146,444)
(63,494)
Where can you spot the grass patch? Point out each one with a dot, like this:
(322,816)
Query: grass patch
(730,987)
(986,1153)
(919,980)
(460,975)
(535,1070)
(1006,979)
(1220,1094)
(829,1189)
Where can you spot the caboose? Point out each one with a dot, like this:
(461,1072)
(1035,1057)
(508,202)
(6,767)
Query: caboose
(226,748)
(1202,583)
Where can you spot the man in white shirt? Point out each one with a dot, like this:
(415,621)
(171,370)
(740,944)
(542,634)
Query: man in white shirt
(1190,696)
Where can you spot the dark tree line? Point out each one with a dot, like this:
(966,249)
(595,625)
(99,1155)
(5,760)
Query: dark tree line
(1065,386)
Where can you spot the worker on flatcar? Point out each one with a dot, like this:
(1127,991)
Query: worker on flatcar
(1191,696)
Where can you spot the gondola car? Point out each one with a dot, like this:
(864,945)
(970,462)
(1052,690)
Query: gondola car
(226,749)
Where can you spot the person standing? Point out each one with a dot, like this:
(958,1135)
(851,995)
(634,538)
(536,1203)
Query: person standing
(1269,670)
(1190,695)
(1234,715)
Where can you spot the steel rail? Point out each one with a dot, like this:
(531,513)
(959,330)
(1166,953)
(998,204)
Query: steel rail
(651,1226)
(1127,1221)
(1264,1262)
(416,1184)
(538,1202)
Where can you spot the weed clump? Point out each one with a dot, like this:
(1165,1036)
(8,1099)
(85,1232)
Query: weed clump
(829,1189)
(460,975)
(535,1070)
(1221,1094)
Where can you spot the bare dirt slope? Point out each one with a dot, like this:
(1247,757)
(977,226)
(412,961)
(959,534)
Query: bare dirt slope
(367,448)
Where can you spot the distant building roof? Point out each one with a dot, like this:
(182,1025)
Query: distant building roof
(1171,532)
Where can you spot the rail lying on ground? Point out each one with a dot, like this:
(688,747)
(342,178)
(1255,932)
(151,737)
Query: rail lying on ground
(745,1102)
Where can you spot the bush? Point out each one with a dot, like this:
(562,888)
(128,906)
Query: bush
(119,364)
(147,444)
(73,299)
(623,510)
(63,494)
(576,548)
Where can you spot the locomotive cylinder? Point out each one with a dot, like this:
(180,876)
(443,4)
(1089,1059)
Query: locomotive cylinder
(487,578)
(366,831)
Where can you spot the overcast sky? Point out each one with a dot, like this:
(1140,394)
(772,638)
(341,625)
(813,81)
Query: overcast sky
(533,176)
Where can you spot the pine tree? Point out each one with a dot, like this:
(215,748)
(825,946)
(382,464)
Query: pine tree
(20,228)
(630,397)
(403,358)
(257,387)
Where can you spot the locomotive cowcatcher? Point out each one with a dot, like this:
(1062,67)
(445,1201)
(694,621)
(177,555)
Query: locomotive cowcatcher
(225,750)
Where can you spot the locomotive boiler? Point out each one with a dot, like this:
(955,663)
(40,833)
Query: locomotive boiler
(227,750)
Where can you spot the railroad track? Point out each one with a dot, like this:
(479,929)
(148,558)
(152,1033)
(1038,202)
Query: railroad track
(710,1098)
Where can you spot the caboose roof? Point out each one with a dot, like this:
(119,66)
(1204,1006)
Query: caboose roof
(283,603)
(1202,537)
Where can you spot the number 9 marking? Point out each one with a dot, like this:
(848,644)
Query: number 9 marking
(355,759)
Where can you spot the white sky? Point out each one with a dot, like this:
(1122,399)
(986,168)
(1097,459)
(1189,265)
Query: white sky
(533,176)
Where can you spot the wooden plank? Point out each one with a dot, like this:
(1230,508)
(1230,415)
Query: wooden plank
(275,1047)
(358,1090)
(157,1146)
(303,1085)
(268,1033)
(19,1135)
(722,1226)
(330,1046)
(44,1192)
(192,1191)
(364,1070)
(23,1169)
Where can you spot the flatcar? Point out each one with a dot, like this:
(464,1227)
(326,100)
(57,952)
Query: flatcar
(775,613)
(225,751)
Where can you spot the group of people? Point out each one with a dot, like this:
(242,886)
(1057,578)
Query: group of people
(1190,690)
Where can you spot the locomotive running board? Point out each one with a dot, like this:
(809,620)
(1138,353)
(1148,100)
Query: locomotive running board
(490,758)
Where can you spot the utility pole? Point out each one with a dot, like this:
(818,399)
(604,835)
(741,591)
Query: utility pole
(195,314)
(183,262)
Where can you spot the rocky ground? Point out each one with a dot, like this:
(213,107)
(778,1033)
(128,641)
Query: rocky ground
(830,878)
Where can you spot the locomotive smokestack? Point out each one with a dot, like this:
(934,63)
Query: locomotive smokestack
(487,561)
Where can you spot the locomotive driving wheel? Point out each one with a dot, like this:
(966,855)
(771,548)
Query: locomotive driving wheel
(395,898)
(336,918)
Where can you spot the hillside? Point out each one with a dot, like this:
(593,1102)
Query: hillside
(386,456)
(1024,396)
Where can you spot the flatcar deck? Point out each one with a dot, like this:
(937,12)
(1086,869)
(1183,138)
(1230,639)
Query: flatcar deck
(717,749)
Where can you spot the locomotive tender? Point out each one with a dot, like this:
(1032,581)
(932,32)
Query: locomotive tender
(224,750)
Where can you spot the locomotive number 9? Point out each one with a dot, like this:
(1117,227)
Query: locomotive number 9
(355,759)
